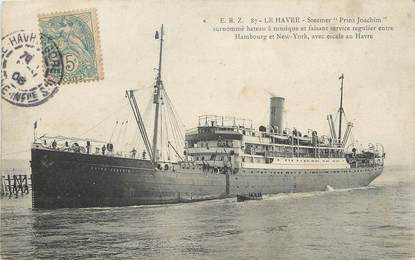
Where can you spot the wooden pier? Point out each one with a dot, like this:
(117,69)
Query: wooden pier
(15,185)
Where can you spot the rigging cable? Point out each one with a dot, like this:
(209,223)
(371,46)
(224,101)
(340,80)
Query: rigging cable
(176,128)
(167,132)
(103,120)
(174,112)
(172,122)
(113,130)
(176,138)
(176,132)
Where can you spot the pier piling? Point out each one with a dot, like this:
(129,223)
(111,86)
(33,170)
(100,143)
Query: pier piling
(12,185)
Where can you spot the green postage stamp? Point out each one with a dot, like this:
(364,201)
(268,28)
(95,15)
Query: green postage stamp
(76,35)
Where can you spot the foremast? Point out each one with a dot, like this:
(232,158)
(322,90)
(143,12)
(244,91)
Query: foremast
(151,148)
(156,99)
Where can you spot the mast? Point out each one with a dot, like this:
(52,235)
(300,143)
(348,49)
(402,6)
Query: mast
(341,108)
(156,100)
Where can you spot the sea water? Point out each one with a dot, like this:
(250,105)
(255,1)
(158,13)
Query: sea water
(375,222)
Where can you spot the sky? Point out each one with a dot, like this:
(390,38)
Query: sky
(207,72)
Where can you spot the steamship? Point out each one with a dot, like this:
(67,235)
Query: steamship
(222,157)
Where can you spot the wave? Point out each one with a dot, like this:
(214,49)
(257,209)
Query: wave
(313,193)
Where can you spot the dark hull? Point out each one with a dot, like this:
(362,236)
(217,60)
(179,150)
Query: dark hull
(65,179)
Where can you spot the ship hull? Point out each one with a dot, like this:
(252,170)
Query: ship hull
(66,179)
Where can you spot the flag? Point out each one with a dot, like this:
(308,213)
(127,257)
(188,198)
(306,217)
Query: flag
(157,35)
(35,125)
(341,77)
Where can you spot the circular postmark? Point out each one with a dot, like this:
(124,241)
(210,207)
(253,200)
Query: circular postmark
(32,68)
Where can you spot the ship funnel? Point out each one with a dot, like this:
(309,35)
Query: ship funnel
(275,118)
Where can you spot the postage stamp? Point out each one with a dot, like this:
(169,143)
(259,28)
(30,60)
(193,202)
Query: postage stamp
(30,73)
(77,35)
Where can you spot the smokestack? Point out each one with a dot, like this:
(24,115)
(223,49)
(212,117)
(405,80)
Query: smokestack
(275,119)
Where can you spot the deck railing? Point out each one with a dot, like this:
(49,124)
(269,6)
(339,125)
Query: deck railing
(85,146)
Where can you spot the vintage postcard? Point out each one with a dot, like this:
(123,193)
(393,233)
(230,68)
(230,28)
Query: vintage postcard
(207,129)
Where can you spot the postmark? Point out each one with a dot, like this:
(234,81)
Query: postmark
(77,35)
(30,73)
